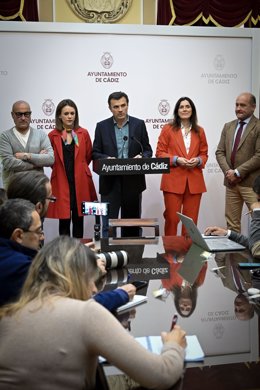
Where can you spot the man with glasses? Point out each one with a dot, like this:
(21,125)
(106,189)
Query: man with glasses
(23,148)
(34,186)
(20,237)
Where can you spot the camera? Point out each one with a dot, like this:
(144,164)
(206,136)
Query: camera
(115,276)
(116,259)
(94,208)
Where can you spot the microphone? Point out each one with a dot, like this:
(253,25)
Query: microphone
(125,138)
(141,146)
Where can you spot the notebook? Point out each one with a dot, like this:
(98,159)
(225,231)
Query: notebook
(223,244)
(193,351)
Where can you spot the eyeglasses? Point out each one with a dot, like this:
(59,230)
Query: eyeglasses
(27,114)
(38,231)
(52,199)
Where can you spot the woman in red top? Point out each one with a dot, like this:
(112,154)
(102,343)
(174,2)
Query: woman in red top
(184,294)
(71,177)
(184,142)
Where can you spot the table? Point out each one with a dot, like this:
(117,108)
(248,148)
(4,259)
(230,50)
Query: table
(229,340)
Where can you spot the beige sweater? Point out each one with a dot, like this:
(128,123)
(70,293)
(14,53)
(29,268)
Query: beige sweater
(57,346)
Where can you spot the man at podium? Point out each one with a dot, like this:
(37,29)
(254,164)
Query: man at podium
(121,136)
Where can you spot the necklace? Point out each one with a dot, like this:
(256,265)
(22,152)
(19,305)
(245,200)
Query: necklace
(186,130)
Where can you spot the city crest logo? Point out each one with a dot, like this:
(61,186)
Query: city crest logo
(48,107)
(107,60)
(107,75)
(219,62)
(164,107)
(218,76)
(47,124)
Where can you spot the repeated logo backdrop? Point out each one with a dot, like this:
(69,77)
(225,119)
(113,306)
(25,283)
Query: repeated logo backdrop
(44,68)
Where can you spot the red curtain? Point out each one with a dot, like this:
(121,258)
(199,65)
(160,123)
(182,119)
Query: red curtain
(19,10)
(221,13)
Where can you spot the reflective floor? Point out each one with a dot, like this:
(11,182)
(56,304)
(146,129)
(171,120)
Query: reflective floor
(209,294)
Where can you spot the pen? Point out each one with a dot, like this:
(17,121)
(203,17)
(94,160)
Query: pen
(174,321)
(217,268)
(249,212)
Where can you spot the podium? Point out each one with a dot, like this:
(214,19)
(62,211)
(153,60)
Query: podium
(134,222)
(131,166)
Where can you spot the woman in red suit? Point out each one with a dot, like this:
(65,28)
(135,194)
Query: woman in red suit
(184,294)
(184,142)
(71,177)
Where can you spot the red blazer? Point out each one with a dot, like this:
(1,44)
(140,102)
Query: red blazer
(176,279)
(170,144)
(85,190)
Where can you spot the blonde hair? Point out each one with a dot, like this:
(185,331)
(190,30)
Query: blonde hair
(63,267)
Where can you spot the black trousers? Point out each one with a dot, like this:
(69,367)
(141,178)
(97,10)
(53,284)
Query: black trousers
(77,225)
(128,201)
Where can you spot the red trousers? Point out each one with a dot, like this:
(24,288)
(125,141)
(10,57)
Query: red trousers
(186,203)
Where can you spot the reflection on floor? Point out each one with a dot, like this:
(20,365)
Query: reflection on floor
(222,377)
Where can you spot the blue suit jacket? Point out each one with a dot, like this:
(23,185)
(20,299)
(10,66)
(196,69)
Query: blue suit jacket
(104,146)
(15,260)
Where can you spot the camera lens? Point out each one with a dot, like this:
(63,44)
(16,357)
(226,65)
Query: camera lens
(114,259)
(115,276)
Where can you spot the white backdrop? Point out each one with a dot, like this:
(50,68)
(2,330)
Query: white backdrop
(154,66)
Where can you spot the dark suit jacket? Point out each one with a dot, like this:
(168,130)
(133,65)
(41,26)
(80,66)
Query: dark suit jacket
(104,146)
(247,160)
(232,259)
(15,260)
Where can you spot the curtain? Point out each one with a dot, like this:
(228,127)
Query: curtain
(220,13)
(19,10)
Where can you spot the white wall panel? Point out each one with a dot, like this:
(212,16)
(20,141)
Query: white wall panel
(54,61)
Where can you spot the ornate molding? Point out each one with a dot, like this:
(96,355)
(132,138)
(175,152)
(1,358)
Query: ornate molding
(100,11)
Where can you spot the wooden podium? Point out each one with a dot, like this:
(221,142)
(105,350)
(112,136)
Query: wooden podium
(134,222)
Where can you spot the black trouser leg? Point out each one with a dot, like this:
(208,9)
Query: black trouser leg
(131,208)
(77,224)
(64,227)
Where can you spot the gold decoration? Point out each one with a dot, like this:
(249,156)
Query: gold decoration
(17,14)
(100,11)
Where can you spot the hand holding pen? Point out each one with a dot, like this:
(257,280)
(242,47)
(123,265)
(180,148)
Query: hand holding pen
(176,334)
(174,321)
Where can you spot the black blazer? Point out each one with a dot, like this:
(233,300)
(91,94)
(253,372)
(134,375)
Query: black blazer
(104,146)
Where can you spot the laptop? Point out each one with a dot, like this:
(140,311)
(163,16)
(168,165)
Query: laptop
(222,244)
(192,263)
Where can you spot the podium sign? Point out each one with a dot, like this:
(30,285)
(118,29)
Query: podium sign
(131,166)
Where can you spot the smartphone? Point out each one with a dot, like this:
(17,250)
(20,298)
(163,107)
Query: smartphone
(139,284)
(249,265)
(94,208)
